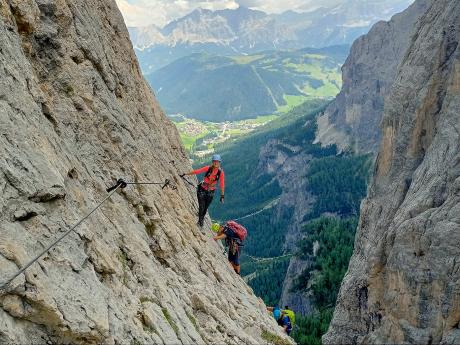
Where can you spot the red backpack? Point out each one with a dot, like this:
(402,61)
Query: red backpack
(238,230)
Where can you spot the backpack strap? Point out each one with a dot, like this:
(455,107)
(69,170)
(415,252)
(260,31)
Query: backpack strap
(208,173)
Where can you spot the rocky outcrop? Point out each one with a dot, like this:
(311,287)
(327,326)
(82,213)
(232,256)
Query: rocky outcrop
(75,115)
(402,284)
(300,301)
(289,165)
(352,121)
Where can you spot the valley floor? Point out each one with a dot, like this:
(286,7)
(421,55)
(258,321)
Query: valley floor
(200,137)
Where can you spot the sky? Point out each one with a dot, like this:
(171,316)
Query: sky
(160,12)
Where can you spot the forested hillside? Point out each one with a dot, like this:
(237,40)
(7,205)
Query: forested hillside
(335,185)
(248,189)
(221,88)
(327,246)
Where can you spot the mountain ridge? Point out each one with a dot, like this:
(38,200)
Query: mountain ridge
(223,88)
(246,31)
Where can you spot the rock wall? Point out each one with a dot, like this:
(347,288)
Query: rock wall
(402,284)
(290,172)
(352,121)
(75,115)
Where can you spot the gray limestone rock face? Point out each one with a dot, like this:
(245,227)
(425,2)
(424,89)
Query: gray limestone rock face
(290,171)
(300,301)
(75,115)
(352,120)
(403,281)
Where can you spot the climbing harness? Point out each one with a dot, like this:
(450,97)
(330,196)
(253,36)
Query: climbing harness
(119,185)
(210,180)
(233,246)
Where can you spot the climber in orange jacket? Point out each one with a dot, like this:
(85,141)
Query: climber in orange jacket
(207,187)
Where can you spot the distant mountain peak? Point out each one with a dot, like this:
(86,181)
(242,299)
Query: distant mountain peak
(199,10)
(243,8)
(290,12)
(245,31)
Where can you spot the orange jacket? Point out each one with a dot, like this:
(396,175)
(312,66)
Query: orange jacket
(211,180)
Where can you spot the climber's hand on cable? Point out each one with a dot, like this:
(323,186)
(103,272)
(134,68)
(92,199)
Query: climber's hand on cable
(222,197)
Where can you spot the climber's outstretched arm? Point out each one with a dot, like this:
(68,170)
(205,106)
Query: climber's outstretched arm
(197,171)
(219,237)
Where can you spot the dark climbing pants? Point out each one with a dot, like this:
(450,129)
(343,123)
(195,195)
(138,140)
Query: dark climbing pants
(204,200)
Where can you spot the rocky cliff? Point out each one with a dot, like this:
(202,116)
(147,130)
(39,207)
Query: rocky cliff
(290,170)
(352,121)
(402,284)
(356,113)
(75,115)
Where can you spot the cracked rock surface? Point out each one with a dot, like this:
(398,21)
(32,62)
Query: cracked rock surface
(403,281)
(75,115)
(352,120)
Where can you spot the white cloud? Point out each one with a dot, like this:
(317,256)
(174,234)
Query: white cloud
(138,15)
(160,12)
(278,6)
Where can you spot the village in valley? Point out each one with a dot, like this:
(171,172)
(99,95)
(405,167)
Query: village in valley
(200,137)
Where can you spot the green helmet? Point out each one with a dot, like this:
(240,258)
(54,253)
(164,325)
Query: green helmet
(215,227)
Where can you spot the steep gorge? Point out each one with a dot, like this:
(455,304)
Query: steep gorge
(352,121)
(76,115)
(402,284)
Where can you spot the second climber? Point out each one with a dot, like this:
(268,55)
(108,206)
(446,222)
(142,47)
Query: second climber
(206,188)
